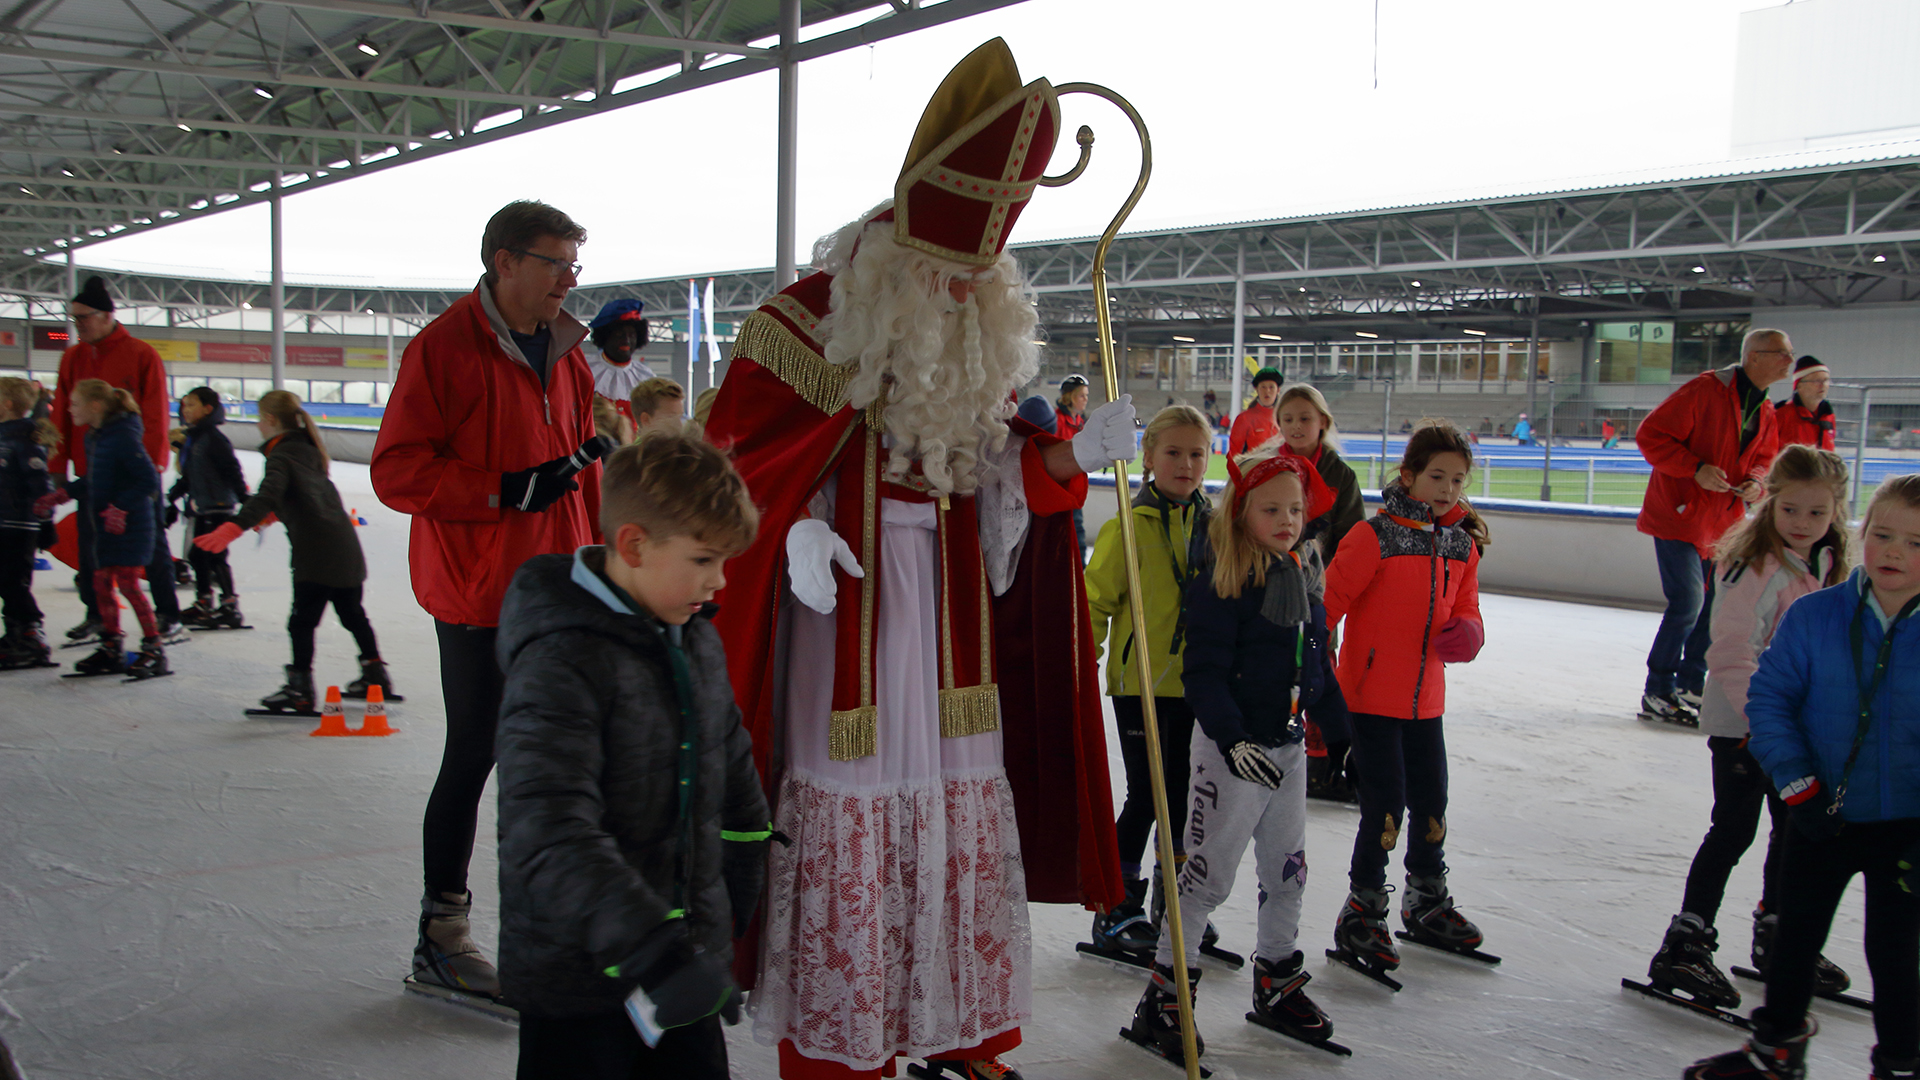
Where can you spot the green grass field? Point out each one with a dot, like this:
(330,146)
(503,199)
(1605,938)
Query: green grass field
(1569,485)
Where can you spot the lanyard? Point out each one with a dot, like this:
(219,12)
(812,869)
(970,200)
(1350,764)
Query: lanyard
(689,760)
(1181,578)
(1868,684)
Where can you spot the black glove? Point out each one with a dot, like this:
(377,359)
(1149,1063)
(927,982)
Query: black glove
(1909,864)
(1246,760)
(49,535)
(743,866)
(534,490)
(1810,807)
(590,451)
(685,982)
(173,515)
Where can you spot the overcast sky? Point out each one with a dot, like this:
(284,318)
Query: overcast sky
(1258,108)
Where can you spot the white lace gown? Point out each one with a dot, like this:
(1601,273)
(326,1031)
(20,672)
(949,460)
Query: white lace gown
(897,919)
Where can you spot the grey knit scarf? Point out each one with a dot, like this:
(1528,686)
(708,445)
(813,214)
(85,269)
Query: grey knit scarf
(1292,587)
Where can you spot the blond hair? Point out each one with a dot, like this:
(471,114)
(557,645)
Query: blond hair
(1755,538)
(24,395)
(1307,392)
(648,395)
(1236,553)
(703,405)
(607,421)
(101,392)
(674,483)
(1167,419)
(284,407)
(1901,491)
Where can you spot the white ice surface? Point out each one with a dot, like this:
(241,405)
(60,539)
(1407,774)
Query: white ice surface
(186,892)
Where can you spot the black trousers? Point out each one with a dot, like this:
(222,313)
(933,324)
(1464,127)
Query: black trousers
(310,601)
(1176,740)
(166,606)
(1813,875)
(1403,789)
(1740,788)
(471,684)
(18,548)
(608,1048)
(210,568)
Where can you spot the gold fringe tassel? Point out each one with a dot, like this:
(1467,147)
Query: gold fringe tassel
(774,347)
(851,734)
(969,710)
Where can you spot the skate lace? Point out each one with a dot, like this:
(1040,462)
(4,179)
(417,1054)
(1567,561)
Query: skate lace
(987,1069)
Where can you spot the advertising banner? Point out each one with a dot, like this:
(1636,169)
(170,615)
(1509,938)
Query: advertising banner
(176,352)
(315,355)
(368,358)
(214,352)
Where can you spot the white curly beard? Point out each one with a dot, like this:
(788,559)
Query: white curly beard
(948,369)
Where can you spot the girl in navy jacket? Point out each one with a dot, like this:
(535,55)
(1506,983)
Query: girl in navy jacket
(119,490)
(1256,657)
(1834,711)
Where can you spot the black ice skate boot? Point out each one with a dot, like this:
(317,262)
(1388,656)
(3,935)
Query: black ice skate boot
(1360,937)
(1280,1000)
(970,1069)
(1685,964)
(1828,977)
(197,616)
(87,631)
(25,647)
(1123,930)
(105,660)
(373,672)
(296,696)
(1156,1019)
(1887,1068)
(446,955)
(1327,776)
(227,616)
(152,661)
(1209,938)
(1427,911)
(1768,1055)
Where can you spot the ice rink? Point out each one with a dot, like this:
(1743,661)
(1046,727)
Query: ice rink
(187,892)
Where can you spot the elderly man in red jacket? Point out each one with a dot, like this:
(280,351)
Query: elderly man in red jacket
(107,352)
(1710,444)
(488,441)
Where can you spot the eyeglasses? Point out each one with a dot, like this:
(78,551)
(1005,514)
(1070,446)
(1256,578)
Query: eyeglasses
(560,266)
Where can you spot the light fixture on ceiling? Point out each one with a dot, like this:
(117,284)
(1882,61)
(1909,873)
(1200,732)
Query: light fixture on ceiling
(1177,337)
(244,306)
(1365,334)
(262,91)
(1475,333)
(1699,269)
(367,47)
(1272,337)
(181,126)
(1415,284)
(66,172)
(1879,258)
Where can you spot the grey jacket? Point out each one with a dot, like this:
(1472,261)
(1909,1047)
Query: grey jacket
(591,836)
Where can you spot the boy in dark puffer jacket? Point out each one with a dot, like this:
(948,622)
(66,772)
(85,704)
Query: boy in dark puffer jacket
(214,487)
(632,824)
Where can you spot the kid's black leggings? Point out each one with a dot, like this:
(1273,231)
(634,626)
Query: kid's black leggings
(1403,790)
(1740,788)
(1176,740)
(310,602)
(18,547)
(210,568)
(1813,875)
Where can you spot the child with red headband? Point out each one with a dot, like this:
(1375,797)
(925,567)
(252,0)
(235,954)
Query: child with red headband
(1407,582)
(1256,657)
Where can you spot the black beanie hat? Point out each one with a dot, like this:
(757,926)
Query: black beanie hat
(95,295)
(1807,365)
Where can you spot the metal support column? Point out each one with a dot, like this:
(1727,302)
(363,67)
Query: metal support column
(787,165)
(1533,361)
(1546,469)
(387,395)
(1239,319)
(279,294)
(66,310)
(1386,425)
(1860,443)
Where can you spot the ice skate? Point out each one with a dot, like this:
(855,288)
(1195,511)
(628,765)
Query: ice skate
(293,699)
(86,633)
(1768,1055)
(151,663)
(1123,933)
(1685,963)
(1360,937)
(373,672)
(172,633)
(105,660)
(25,647)
(197,615)
(1830,980)
(1427,912)
(1327,779)
(972,1069)
(1156,1019)
(1280,1003)
(446,962)
(226,617)
(1888,1068)
(1667,709)
(1209,938)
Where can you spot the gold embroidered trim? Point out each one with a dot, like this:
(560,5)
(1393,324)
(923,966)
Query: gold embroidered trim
(946,616)
(765,342)
(986,622)
(970,710)
(850,734)
(797,313)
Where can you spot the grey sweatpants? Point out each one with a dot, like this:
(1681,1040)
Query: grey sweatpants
(1224,815)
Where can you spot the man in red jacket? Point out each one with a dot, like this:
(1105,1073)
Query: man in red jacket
(1710,444)
(1806,417)
(107,352)
(488,442)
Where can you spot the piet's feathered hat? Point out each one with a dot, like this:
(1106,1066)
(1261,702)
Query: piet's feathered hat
(980,148)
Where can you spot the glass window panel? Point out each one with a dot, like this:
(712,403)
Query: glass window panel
(327,393)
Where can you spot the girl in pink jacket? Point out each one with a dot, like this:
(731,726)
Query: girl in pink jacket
(1794,543)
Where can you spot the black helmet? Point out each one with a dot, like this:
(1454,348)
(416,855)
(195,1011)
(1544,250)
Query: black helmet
(1071,381)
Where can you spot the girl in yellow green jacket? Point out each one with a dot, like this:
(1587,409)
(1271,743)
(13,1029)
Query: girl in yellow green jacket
(1170,529)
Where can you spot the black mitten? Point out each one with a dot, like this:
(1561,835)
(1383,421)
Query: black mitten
(685,982)
(743,865)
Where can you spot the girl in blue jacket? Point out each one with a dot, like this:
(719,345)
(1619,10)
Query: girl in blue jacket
(1256,657)
(1834,711)
(119,490)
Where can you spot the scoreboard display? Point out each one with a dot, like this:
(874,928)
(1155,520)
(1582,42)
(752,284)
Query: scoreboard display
(52,338)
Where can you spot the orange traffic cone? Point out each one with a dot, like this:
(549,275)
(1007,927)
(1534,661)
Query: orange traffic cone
(376,721)
(332,722)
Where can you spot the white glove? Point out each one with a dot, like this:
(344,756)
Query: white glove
(1108,436)
(812,550)
(1248,762)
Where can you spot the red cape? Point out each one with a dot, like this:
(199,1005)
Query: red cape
(781,415)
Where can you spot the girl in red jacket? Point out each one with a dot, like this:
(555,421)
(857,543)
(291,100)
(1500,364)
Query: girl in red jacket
(1406,580)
